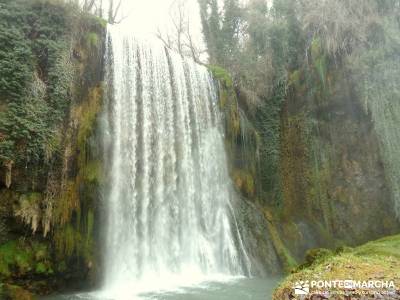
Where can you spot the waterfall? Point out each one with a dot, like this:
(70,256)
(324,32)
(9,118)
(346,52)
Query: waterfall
(170,217)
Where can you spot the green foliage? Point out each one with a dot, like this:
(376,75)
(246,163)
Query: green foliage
(47,118)
(388,246)
(258,26)
(222,75)
(75,240)
(9,291)
(16,63)
(290,53)
(24,257)
(35,77)
(268,122)
(315,256)
(92,40)
(259,61)
(287,260)
(320,65)
(98,21)
(221,29)
(26,128)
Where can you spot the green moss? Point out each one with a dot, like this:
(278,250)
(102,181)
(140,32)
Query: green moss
(74,237)
(62,266)
(73,234)
(90,224)
(233,125)
(222,75)
(294,78)
(40,268)
(314,256)
(316,49)
(14,292)
(294,164)
(388,246)
(321,67)
(76,240)
(31,197)
(48,108)
(93,171)
(66,239)
(228,103)
(86,115)
(97,21)
(35,87)
(68,235)
(240,140)
(287,261)
(92,40)
(67,202)
(40,251)
(223,97)
(7,252)
(87,247)
(376,260)
(24,257)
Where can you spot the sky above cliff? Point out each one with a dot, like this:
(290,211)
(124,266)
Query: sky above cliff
(147,16)
(150,14)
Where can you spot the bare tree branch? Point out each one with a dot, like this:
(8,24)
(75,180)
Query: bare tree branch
(178,37)
(165,40)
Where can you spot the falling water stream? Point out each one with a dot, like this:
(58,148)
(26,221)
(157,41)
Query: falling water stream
(171,230)
(169,216)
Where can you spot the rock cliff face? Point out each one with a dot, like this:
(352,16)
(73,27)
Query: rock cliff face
(333,184)
(51,66)
(335,188)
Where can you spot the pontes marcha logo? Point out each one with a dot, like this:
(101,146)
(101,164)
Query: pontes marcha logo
(302,287)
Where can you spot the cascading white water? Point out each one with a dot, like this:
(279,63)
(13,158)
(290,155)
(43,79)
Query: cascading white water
(169,214)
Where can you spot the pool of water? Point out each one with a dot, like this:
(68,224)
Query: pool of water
(233,289)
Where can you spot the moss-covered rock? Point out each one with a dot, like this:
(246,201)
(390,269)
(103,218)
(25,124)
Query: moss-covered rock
(49,166)
(21,258)
(260,236)
(14,292)
(315,255)
(241,140)
(222,75)
(376,260)
(332,174)
(287,261)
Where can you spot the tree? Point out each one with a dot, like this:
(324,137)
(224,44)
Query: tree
(113,11)
(222,29)
(341,25)
(179,37)
(210,19)
(88,5)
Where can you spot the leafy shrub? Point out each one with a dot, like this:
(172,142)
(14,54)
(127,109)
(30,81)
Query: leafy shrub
(36,76)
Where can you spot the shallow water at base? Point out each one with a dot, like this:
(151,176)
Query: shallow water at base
(238,289)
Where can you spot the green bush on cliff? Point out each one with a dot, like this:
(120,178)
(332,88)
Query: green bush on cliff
(23,257)
(314,256)
(222,75)
(35,77)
